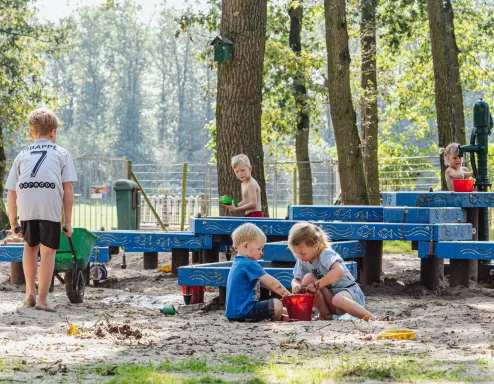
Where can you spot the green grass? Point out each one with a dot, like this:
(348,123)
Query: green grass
(94,216)
(398,246)
(300,368)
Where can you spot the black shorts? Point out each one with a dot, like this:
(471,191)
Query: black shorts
(41,231)
(262,310)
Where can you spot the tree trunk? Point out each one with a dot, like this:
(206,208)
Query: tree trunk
(369,107)
(353,187)
(303,119)
(4,218)
(454,70)
(209,108)
(239,108)
(182,134)
(442,82)
(162,117)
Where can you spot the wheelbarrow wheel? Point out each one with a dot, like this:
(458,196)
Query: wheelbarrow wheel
(75,295)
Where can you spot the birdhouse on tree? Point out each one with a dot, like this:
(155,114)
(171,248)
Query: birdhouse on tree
(222,49)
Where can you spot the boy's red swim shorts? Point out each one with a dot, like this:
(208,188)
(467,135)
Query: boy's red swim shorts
(255,214)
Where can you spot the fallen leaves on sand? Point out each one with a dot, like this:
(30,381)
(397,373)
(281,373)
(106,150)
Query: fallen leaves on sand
(104,328)
(55,368)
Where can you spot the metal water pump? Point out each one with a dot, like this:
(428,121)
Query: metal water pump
(479,149)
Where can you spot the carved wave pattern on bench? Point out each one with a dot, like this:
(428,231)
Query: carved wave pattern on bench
(208,277)
(486,253)
(9,254)
(341,214)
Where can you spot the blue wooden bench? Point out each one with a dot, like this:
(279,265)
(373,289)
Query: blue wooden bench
(216,274)
(340,231)
(464,256)
(278,251)
(365,213)
(13,253)
(150,243)
(439,199)
(424,215)
(372,232)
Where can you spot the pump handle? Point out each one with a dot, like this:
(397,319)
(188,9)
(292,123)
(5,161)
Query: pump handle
(473,161)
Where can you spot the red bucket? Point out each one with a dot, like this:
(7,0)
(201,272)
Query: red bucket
(299,306)
(461,185)
(193,295)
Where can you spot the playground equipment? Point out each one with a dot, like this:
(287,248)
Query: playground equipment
(479,150)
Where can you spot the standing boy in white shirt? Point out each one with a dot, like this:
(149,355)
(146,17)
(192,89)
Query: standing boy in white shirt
(39,184)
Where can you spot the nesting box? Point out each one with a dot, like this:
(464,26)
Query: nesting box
(222,49)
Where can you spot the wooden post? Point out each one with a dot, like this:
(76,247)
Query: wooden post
(129,169)
(210,255)
(462,271)
(222,295)
(184,192)
(17,273)
(195,257)
(150,260)
(370,267)
(180,258)
(431,272)
(473,217)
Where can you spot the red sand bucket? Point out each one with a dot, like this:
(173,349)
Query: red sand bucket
(299,306)
(193,295)
(460,185)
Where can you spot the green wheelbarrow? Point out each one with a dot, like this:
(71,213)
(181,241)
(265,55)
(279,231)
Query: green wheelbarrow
(72,257)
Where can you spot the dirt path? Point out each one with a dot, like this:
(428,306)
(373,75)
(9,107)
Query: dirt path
(456,326)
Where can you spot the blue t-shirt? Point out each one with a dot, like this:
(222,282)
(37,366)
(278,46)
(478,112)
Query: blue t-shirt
(240,287)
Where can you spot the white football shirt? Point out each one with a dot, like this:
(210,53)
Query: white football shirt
(37,175)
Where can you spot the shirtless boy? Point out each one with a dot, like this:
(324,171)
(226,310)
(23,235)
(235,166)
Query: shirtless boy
(251,193)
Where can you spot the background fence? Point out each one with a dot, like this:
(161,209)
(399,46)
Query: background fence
(95,203)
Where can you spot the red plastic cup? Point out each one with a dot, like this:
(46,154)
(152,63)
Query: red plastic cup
(461,185)
(299,306)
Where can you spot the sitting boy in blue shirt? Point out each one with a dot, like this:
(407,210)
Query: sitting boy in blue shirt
(241,304)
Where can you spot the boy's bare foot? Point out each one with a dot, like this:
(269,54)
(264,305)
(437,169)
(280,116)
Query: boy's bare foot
(30,301)
(45,308)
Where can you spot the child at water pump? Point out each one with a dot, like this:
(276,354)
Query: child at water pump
(251,192)
(324,273)
(241,304)
(455,170)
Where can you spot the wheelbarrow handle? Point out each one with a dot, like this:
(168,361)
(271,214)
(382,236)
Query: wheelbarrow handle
(72,248)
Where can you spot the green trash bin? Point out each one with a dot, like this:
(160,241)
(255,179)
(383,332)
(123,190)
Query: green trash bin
(127,204)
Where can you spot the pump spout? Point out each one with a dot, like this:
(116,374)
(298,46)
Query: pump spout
(462,149)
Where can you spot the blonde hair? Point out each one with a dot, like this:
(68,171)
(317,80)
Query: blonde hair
(41,122)
(247,232)
(308,234)
(240,160)
(451,149)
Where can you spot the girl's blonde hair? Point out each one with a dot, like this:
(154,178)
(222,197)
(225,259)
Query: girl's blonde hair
(247,232)
(451,149)
(307,234)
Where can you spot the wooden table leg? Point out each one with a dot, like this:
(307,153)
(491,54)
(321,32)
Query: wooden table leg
(180,258)
(17,273)
(150,260)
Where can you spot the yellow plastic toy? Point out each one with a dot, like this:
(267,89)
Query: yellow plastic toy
(165,268)
(398,334)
